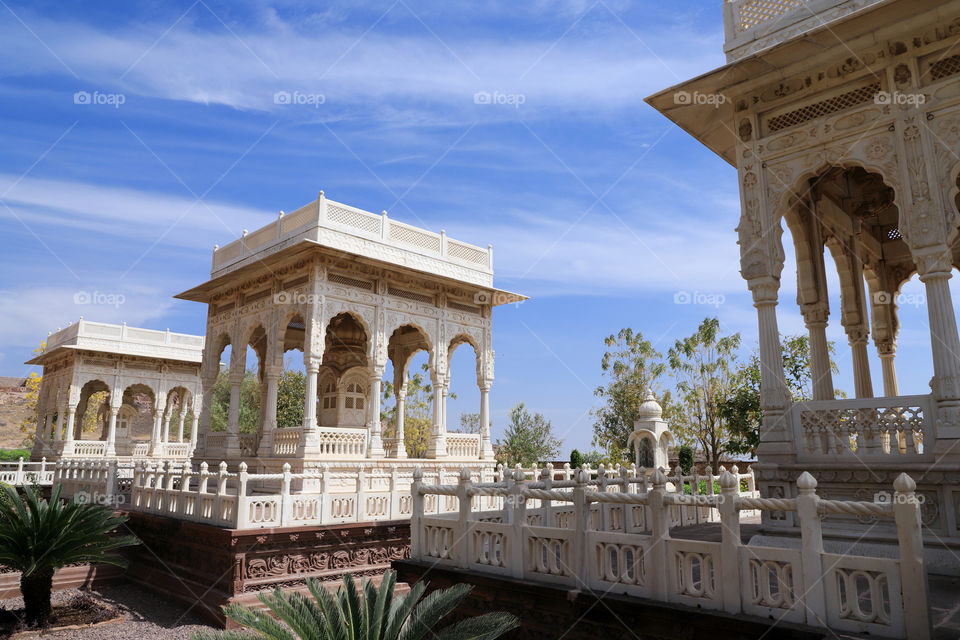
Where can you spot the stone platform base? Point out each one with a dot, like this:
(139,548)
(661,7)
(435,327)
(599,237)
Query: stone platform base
(84,575)
(557,612)
(206,567)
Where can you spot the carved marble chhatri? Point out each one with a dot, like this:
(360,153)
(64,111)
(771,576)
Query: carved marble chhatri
(842,118)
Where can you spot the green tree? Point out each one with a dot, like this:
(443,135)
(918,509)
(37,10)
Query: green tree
(417,414)
(38,537)
(576,459)
(28,426)
(469,423)
(249,402)
(703,367)
(368,613)
(685,458)
(528,439)
(631,366)
(291,392)
(741,408)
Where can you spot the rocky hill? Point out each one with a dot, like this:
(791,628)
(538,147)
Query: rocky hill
(14,409)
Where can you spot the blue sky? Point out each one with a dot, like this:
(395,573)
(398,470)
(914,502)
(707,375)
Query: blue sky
(596,206)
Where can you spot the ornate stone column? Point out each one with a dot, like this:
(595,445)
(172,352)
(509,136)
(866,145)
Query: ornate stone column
(194,426)
(183,419)
(68,435)
(375,441)
(486,446)
(310,395)
(237,372)
(111,447)
(167,417)
(858,336)
(206,405)
(815,319)
(775,433)
(438,443)
(887,350)
(156,448)
(935,272)
(401,395)
(272,375)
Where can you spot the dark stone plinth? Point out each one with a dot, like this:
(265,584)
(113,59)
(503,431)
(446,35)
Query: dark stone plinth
(206,567)
(548,612)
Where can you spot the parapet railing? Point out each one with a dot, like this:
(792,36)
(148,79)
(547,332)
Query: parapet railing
(894,428)
(106,482)
(20,473)
(568,544)
(753,25)
(355,222)
(243,500)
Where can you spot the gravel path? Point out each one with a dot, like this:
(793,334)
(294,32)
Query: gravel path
(147,616)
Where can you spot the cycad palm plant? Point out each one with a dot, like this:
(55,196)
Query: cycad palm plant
(37,537)
(368,613)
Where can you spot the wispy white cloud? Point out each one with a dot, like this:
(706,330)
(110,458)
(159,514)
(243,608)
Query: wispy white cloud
(602,68)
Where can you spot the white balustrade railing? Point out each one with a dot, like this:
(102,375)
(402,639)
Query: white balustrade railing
(286,441)
(20,473)
(463,445)
(94,480)
(342,442)
(89,448)
(243,500)
(553,532)
(176,450)
(351,221)
(900,427)
(140,450)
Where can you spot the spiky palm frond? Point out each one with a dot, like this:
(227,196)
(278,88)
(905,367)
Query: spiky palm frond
(38,535)
(367,613)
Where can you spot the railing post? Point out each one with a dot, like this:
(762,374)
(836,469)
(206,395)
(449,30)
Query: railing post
(464,543)
(221,490)
(547,505)
(242,515)
(19,477)
(416,513)
(913,572)
(394,493)
(659,535)
(729,542)
(204,478)
(111,485)
(604,507)
(581,519)
(286,506)
(518,514)
(361,498)
(324,494)
(185,489)
(811,550)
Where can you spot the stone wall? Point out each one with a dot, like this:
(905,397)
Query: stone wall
(206,567)
(555,612)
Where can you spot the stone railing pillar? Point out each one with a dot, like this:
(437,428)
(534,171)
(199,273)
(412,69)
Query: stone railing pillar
(465,517)
(416,515)
(729,540)
(913,573)
(811,550)
(659,525)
